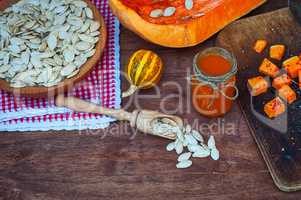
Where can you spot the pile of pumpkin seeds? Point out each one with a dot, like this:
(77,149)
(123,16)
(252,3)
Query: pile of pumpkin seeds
(189,143)
(42,42)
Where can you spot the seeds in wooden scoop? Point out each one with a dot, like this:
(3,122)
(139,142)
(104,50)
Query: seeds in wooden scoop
(42,42)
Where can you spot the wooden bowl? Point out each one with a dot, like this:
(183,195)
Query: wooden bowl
(67,84)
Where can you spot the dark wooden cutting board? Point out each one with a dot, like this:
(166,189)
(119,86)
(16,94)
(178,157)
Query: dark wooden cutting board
(272,136)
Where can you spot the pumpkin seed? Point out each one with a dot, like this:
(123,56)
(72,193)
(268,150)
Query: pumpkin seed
(188,129)
(211,142)
(197,136)
(191,140)
(194,148)
(201,154)
(90,53)
(86,38)
(95,33)
(67,70)
(170,146)
(80,4)
(69,55)
(156,13)
(94,26)
(52,41)
(82,46)
(73,73)
(89,13)
(179,147)
(214,154)
(85,27)
(36,62)
(4,68)
(184,156)
(188,4)
(169,11)
(184,164)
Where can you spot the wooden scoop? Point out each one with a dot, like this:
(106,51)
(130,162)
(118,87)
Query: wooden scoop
(143,120)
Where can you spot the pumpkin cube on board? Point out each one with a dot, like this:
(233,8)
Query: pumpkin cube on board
(274,108)
(287,94)
(268,68)
(292,66)
(260,45)
(281,80)
(257,85)
(277,51)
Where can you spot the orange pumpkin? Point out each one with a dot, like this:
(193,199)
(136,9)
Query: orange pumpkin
(180,27)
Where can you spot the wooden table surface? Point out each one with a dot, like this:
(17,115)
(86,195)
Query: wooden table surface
(118,163)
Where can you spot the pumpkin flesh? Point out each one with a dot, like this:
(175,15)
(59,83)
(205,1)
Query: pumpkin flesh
(178,31)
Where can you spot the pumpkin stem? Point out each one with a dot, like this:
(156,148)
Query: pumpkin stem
(130,91)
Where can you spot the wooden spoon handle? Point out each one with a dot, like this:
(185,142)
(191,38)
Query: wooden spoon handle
(79,105)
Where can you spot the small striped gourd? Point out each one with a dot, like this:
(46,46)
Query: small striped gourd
(144,70)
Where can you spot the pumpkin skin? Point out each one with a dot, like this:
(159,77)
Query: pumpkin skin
(144,70)
(188,33)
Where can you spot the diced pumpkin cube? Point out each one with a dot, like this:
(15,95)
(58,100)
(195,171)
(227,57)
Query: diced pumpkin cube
(287,94)
(292,66)
(268,68)
(282,80)
(274,107)
(260,45)
(293,70)
(277,51)
(257,85)
(291,61)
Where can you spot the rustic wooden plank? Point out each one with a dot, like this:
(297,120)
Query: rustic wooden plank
(82,165)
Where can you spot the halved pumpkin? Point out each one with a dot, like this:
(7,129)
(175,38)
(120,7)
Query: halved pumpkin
(185,27)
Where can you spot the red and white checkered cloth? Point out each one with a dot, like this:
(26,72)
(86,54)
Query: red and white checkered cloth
(102,86)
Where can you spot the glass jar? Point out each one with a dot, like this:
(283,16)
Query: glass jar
(213,96)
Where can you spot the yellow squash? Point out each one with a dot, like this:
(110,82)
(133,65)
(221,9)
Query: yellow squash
(144,70)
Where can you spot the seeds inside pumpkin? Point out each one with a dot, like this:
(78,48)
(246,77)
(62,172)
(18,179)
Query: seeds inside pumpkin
(188,4)
(156,13)
(169,11)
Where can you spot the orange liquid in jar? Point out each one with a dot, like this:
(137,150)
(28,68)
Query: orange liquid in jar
(214,65)
(206,100)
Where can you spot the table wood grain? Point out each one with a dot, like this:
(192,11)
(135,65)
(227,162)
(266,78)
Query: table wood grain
(119,163)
